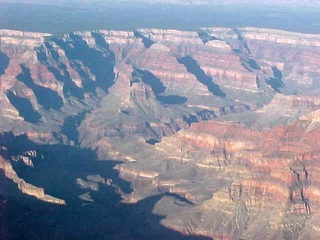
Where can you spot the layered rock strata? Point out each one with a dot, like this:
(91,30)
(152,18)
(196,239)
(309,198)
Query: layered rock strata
(226,119)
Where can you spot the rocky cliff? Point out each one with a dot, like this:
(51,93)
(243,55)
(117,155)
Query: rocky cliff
(225,119)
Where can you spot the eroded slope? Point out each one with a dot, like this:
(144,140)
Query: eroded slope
(225,119)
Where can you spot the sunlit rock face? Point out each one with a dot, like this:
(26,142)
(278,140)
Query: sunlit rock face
(226,119)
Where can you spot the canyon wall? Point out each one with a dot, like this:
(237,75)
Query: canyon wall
(225,119)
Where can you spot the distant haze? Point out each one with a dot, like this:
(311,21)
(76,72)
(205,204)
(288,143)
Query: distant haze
(289,3)
(61,16)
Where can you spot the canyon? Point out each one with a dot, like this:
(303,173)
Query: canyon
(218,128)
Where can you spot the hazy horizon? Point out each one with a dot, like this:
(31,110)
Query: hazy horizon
(118,16)
(290,3)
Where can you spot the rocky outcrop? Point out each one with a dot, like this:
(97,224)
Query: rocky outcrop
(25,187)
(228,171)
(46,79)
(224,119)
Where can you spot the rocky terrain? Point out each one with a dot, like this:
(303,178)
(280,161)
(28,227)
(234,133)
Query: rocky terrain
(220,126)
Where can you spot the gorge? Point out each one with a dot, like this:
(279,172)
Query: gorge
(207,134)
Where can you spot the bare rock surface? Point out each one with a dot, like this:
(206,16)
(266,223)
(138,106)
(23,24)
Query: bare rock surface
(223,122)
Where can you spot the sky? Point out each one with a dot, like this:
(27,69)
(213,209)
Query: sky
(69,16)
(273,2)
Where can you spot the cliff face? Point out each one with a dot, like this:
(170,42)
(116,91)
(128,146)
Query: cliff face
(235,175)
(23,186)
(45,79)
(226,119)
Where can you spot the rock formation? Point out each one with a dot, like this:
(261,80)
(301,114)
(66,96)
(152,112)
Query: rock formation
(225,119)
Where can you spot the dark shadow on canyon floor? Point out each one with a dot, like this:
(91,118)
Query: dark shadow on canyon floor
(24,217)
(157,86)
(77,50)
(276,81)
(60,72)
(4,63)
(24,107)
(47,98)
(147,42)
(193,67)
